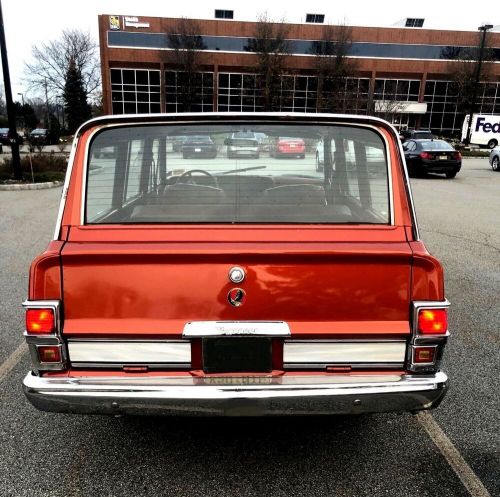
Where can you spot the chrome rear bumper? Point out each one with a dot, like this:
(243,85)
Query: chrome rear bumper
(255,396)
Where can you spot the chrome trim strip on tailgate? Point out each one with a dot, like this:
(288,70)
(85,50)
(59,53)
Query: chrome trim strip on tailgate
(236,328)
(129,352)
(343,352)
(284,395)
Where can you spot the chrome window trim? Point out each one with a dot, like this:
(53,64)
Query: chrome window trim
(256,116)
(64,193)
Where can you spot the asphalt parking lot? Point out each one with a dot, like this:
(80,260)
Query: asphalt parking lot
(452,452)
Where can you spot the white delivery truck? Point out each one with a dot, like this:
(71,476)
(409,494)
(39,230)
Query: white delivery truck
(485,130)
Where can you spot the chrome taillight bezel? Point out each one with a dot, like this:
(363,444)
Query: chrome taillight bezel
(34,341)
(418,339)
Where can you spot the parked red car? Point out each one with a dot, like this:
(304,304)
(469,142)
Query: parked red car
(288,147)
(209,287)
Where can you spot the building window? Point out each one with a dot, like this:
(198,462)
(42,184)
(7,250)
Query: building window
(178,97)
(443,113)
(224,14)
(412,22)
(317,18)
(404,90)
(298,93)
(135,91)
(238,93)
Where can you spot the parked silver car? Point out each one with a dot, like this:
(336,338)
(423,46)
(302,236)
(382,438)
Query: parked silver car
(495,159)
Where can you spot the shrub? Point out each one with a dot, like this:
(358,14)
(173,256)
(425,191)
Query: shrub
(45,168)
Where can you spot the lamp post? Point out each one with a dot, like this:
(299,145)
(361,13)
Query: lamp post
(484,28)
(11,111)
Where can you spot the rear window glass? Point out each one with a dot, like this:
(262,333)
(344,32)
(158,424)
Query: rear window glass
(334,175)
(435,145)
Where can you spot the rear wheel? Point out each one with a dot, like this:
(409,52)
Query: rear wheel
(495,164)
(451,174)
(492,143)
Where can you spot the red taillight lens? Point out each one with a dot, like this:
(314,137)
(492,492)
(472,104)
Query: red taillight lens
(49,353)
(40,321)
(432,321)
(425,155)
(422,355)
(458,156)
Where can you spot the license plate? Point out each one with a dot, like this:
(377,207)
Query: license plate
(237,355)
(197,149)
(238,380)
(292,145)
(443,157)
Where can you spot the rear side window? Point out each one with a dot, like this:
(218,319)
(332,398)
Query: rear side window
(317,174)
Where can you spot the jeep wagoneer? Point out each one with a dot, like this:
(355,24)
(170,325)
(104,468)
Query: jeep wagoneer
(232,285)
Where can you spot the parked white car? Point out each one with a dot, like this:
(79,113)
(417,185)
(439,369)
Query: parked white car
(495,159)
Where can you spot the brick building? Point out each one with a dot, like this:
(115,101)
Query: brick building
(410,66)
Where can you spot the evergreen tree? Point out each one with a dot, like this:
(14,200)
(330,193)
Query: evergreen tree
(75,100)
(27,116)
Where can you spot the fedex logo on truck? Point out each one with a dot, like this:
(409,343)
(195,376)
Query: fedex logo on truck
(487,127)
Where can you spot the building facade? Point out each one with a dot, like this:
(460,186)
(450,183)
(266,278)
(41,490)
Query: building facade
(401,74)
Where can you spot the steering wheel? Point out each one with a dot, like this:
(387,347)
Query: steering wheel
(189,174)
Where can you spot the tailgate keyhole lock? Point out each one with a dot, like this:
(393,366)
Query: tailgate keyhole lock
(236,274)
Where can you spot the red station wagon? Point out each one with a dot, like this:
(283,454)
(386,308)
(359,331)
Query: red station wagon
(234,286)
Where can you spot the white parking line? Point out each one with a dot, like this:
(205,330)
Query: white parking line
(469,479)
(12,360)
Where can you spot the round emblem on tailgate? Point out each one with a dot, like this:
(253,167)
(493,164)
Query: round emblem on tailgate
(236,297)
(236,274)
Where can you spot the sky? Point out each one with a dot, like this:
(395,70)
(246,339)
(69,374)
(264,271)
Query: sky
(31,22)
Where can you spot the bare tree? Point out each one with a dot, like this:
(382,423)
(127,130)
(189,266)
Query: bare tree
(389,107)
(334,68)
(186,56)
(49,68)
(465,74)
(272,48)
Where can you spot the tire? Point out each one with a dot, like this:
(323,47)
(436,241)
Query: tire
(451,174)
(303,156)
(185,156)
(495,163)
(492,143)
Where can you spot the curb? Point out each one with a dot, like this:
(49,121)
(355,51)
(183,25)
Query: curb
(31,186)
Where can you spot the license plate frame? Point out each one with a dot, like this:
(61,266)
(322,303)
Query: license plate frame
(237,354)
